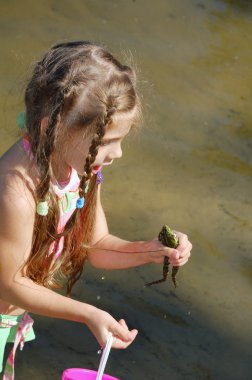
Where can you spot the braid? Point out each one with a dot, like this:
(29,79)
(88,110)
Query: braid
(47,147)
(92,153)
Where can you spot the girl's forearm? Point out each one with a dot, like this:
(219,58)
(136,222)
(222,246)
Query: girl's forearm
(24,293)
(112,252)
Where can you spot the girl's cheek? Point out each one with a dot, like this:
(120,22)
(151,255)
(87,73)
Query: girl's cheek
(99,157)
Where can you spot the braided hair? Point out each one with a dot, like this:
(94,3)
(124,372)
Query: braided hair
(77,86)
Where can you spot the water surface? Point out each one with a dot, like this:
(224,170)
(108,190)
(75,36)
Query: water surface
(190,166)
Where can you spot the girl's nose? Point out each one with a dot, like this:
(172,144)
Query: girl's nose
(116,152)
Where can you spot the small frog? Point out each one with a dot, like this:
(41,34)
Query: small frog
(168,238)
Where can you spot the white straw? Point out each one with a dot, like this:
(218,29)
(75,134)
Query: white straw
(104,357)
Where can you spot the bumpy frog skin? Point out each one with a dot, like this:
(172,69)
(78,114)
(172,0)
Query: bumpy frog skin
(168,238)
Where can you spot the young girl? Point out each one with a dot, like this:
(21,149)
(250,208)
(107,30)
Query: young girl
(80,105)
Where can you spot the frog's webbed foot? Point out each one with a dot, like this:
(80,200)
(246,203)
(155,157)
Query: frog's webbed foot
(156,282)
(165,273)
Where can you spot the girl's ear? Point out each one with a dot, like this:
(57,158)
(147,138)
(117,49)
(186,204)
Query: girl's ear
(43,125)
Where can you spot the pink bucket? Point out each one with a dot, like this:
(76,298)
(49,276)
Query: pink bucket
(83,374)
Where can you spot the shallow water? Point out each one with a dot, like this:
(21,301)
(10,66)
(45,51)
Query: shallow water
(190,166)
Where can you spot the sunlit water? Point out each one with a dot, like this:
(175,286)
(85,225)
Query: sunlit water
(190,167)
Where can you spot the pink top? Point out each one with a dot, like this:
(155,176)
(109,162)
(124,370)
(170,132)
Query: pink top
(67,194)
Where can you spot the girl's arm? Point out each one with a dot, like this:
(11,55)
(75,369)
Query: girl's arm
(16,226)
(111,252)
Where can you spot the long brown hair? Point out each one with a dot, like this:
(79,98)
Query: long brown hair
(70,72)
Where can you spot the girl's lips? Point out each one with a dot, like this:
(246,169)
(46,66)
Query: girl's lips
(96,168)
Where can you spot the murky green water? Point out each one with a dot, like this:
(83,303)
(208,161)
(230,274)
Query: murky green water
(190,167)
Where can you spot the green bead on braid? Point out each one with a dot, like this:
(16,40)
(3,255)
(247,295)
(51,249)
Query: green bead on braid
(21,120)
(42,208)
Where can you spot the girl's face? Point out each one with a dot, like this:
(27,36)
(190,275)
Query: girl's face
(110,149)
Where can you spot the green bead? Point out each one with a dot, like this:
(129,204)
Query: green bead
(42,208)
(86,188)
(21,120)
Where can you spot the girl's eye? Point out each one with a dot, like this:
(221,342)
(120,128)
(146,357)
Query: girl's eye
(105,142)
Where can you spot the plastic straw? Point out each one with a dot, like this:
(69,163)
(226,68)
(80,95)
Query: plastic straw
(104,357)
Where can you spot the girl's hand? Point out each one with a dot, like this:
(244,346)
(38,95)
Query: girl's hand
(177,256)
(101,323)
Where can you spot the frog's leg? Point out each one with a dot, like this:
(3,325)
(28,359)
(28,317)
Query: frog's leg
(174,272)
(165,273)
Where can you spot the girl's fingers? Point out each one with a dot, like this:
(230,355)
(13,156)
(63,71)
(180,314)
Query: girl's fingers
(181,254)
(123,333)
(182,259)
(184,244)
(123,323)
(180,262)
(183,238)
(177,256)
(173,254)
(186,252)
(123,337)
(121,344)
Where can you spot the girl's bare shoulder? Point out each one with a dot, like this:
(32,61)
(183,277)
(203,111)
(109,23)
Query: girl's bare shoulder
(17,181)
(17,205)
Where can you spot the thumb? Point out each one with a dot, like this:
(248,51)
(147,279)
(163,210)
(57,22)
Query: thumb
(174,255)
